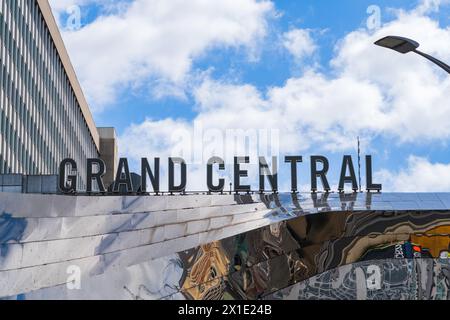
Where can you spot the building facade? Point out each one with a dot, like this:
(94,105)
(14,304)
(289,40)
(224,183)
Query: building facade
(332,246)
(44,116)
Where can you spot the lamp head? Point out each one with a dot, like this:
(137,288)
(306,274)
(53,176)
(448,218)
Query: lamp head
(399,44)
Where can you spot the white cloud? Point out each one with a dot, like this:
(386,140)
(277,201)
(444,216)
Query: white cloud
(299,43)
(372,92)
(299,111)
(428,6)
(420,175)
(414,90)
(160,39)
(164,139)
(59,6)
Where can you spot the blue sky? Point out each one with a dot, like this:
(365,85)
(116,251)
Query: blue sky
(305,68)
(272,69)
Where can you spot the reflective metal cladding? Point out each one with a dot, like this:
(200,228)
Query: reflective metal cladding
(286,246)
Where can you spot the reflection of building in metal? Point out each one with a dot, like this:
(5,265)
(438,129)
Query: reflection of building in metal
(387,279)
(44,116)
(363,246)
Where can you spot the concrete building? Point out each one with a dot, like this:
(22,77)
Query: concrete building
(44,116)
(109,154)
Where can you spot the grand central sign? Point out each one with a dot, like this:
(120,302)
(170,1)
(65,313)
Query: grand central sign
(96,169)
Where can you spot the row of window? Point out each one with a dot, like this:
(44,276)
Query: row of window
(40,118)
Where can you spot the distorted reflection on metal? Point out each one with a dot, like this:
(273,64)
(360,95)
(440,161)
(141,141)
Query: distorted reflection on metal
(285,246)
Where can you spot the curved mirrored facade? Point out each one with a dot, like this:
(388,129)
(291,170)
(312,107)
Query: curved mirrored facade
(225,247)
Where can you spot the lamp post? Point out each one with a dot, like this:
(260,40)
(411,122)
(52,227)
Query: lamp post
(405,45)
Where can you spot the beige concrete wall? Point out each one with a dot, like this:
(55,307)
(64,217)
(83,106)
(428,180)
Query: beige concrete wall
(108,153)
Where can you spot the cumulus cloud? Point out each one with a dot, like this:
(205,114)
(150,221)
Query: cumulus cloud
(428,6)
(159,40)
(169,138)
(157,135)
(299,43)
(297,113)
(371,92)
(59,6)
(420,175)
(414,90)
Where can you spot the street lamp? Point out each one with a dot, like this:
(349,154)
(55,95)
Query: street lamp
(405,45)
